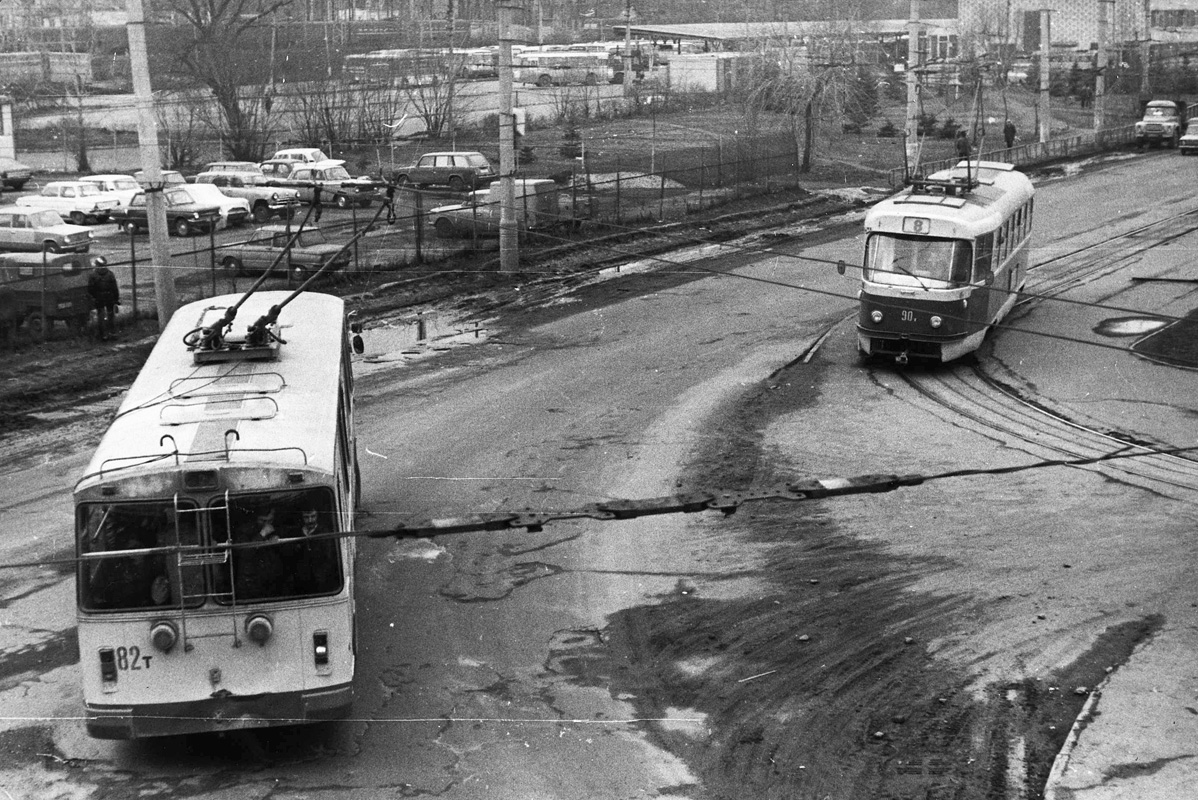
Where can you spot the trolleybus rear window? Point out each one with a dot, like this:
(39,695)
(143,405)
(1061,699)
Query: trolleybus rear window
(109,581)
(918,261)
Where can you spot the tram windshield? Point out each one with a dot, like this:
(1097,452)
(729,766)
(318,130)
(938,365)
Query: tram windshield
(919,262)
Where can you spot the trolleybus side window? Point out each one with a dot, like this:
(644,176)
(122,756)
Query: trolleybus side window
(286,561)
(138,580)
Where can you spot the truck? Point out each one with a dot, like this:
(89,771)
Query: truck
(1164,122)
(38,288)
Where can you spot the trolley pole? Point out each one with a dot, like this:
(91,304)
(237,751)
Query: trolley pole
(147,139)
(509,245)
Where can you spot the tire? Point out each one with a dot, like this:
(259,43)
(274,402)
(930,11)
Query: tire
(35,323)
(402,180)
(444,228)
(544,81)
(261,212)
(233,265)
(591,79)
(181,227)
(456,183)
(78,218)
(51,247)
(342,201)
(298,273)
(129,227)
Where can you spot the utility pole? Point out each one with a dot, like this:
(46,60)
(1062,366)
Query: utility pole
(509,242)
(913,61)
(1045,66)
(628,48)
(1146,48)
(147,140)
(1100,66)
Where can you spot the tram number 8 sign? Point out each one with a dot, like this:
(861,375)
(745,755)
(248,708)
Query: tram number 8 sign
(920,225)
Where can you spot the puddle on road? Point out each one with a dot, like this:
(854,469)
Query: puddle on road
(1129,326)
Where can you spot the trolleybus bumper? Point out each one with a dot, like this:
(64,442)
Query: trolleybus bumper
(218,714)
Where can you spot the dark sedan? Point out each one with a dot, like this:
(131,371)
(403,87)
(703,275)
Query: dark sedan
(184,216)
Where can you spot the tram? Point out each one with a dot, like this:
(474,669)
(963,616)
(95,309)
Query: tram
(945,260)
(214,591)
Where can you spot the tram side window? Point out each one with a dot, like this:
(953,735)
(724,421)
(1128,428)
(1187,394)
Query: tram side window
(983,268)
(109,581)
(289,559)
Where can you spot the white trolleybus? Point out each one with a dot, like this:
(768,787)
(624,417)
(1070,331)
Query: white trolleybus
(214,592)
(945,260)
(562,67)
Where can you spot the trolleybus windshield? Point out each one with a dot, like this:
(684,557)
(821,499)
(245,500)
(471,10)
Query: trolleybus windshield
(917,261)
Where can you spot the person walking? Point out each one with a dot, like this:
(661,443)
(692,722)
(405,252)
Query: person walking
(106,296)
(1008,133)
(962,144)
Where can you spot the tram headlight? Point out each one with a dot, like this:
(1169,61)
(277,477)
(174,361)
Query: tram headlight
(936,322)
(164,635)
(259,628)
(876,316)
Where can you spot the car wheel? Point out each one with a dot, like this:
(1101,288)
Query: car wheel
(78,217)
(261,212)
(129,227)
(342,201)
(444,228)
(299,273)
(456,183)
(233,265)
(402,180)
(182,227)
(51,247)
(36,323)
(544,80)
(591,79)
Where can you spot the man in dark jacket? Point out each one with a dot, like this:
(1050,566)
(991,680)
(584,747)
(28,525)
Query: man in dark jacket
(106,296)
(1008,133)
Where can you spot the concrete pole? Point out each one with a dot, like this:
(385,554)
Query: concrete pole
(1100,66)
(1146,48)
(147,139)
(509,240)
(628,48)
(1045,82)
(913,62)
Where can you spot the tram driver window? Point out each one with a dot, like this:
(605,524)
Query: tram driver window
(917,261)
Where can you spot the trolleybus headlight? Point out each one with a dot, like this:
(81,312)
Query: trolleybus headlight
(936,322)
(164,635)
(876,316)
(259,628)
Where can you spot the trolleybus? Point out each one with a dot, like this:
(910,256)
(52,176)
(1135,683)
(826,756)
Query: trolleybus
(214,590)
(945,260)
(562,67)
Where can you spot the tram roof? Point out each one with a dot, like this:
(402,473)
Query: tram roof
(998,189)
(259,410)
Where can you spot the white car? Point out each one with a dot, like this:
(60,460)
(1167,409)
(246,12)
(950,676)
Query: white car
(77,201)
(234,211)
(123,186)
(307,155)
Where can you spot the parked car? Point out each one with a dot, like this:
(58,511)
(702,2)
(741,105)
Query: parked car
(37,290)
(13,174)
(265,201)
(78,201)
(307,155)
(266,249)
(231,166)
(457,170)
(41,229)
(184,216)
(537,206)
(234,211)
(334,183)
(170,177)
(277,169)
(123,186)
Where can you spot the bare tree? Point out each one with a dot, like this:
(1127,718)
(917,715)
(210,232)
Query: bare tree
(180,117)
(219,54)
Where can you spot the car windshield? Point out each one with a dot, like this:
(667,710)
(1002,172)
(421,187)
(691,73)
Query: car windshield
(178,197)
(336,174)
(125,185)
(45,219)
(88,189)
(311,237)
(915,261)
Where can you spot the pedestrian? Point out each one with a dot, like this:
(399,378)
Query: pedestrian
(962,144)
(106,296)
(1008,133)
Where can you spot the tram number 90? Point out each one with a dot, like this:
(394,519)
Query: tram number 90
(919,225)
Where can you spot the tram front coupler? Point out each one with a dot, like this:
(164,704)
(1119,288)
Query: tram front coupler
(901,359)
